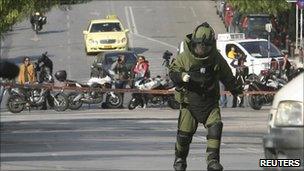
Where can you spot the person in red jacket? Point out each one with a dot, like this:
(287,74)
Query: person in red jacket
(141,69)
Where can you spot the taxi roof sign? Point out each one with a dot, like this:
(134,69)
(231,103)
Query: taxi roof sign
(111,17)
(231,36)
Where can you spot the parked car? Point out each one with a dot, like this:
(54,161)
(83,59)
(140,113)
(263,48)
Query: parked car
(103,61)
(253,25)
(284,139)
(106,35)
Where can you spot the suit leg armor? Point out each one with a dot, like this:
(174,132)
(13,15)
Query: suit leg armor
(214,126)
(187,126)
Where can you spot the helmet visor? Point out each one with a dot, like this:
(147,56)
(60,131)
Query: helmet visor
(201,48)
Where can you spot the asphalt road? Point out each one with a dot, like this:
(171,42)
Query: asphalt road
(142,139)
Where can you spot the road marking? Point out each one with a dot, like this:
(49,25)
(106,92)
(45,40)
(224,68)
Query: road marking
(193,12)
(133,20)
(128,21)
(158,41)
(69,41)
(129,26)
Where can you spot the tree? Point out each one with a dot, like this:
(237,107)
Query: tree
(272,7)
(13,11)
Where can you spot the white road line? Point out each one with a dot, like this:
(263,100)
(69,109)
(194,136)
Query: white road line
(69,41)
(129,26)
(128,20)
(133,20)
(193,12)
(158,41)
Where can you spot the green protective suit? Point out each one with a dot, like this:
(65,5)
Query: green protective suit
(199,97)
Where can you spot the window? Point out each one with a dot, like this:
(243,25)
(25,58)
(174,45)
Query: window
(259,49)
(105,27)
(236,49)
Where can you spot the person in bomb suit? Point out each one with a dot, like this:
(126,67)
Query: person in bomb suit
(196,72)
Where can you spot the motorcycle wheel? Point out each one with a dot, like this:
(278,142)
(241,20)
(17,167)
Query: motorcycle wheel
(255,102)
(73,105)
(114,102)
(61,102)
(12,106)
(133,103)
(172,103)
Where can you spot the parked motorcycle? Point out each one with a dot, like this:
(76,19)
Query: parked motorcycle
(20,98)
(76,99)
(142,99)
(268,82)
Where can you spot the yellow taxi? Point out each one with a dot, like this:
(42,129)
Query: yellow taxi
(105,35)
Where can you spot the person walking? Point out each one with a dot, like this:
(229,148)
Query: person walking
(196,72)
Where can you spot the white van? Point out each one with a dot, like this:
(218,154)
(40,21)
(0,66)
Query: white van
(256,51)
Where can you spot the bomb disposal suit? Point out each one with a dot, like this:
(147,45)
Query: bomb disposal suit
(196,73)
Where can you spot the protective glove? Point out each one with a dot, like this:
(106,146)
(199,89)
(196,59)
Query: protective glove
(186,77)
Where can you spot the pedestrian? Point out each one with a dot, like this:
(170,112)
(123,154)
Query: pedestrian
(223,98)
(141,73)
(141,69)
(196,72)
(27,73)
(121,74)
(286,66)
(241,72)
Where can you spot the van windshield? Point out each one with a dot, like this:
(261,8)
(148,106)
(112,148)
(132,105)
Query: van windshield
(259,49)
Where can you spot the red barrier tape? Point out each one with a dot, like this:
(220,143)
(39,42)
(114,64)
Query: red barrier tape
(127,90)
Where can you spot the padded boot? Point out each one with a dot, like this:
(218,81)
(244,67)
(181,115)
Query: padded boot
(214,165)
(180,164)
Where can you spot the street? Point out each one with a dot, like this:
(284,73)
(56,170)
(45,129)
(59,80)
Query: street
(143,139)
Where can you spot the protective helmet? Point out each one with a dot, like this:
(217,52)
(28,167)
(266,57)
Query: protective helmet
(61,75)
(37,13)
(204,36)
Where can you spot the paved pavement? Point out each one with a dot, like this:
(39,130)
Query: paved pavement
(142,139)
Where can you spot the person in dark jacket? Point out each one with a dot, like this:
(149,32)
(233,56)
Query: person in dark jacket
(39,19)
(121,73)
(241,73)
(196,72)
